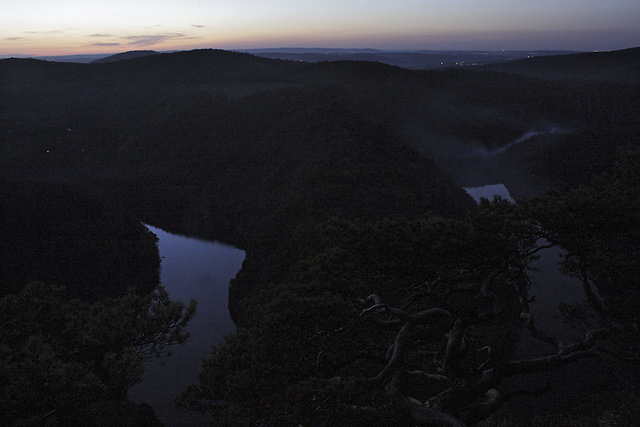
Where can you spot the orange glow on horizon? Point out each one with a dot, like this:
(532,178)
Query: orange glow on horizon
(67,27)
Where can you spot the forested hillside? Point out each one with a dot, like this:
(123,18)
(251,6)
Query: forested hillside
(58,235)
(341,180)
(80,308)
(618,66)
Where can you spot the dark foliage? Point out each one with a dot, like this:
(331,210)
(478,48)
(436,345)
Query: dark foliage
(58,235)
(311,354)
(67,363)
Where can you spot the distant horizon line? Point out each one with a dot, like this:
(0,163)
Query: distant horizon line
(294,48)
(298,49)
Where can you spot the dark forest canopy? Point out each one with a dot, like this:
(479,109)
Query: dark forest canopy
(437,112)
(272,155)
(413,322)
(80,308)
(59,235)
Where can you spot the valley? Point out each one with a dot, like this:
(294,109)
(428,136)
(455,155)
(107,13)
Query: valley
(340,180)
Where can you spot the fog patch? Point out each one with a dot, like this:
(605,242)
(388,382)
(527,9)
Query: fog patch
(440,147)
(531,133)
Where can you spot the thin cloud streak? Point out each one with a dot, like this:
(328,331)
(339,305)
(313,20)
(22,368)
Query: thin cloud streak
(68,25)
(150,40)
(45,32)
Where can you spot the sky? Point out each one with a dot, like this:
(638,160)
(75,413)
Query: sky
(67,27)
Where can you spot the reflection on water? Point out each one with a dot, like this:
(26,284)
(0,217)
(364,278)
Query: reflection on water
(574,381)
(190,269)
(550,287)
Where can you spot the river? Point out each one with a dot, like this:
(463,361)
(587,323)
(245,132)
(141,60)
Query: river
(550,287)
(201,270)
(190,269)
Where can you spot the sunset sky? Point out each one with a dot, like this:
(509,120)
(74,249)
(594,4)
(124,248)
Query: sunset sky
(46,27)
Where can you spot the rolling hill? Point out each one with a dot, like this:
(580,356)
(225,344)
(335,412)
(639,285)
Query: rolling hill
(618,66)
(125,55)
(280,157)
(257,151)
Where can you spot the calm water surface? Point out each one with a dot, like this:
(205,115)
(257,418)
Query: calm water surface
(550,287)
(570,383)
(190,269)
(488,191)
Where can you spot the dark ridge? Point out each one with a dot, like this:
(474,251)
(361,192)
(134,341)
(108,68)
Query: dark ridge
(348,71)
(619,66)
(125,55)
(81,59)
(414,60)
(15,72)
(201,66)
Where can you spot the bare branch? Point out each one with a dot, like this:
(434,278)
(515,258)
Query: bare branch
(423,415)
(399,346)
(454,344)
(396,357)
(430,377)
(380,307)
(486,362)
(565,355)
(373,297)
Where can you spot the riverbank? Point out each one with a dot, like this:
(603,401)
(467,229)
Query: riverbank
(190,269)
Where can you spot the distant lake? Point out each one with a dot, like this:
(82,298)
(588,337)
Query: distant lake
(190,269)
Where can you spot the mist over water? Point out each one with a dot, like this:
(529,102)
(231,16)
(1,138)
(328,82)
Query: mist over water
(485,152)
